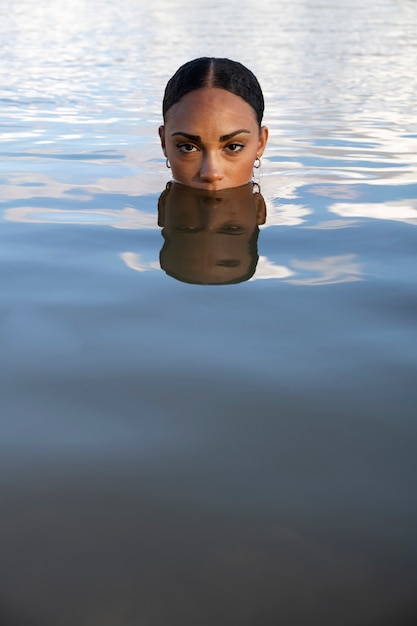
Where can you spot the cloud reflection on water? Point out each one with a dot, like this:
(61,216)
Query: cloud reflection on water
(128,217)
(400,211)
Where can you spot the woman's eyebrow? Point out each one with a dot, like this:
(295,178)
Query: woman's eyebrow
(222,138)
(191,137)
(236,132)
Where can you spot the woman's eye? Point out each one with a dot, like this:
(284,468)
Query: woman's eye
(235,147)
(186,147)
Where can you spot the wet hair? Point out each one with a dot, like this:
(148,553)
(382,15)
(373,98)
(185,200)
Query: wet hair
(214,72)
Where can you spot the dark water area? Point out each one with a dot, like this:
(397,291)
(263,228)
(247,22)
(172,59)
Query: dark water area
(175,453)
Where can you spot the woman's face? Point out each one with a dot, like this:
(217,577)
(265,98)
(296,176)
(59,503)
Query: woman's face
(212,138)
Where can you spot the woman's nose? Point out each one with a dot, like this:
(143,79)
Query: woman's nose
(211,169)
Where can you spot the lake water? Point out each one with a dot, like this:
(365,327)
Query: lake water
(175,453)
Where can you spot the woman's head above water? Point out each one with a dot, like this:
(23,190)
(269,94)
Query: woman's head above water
(212,133)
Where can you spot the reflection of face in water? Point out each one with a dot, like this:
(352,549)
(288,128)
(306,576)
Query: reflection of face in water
(210,236)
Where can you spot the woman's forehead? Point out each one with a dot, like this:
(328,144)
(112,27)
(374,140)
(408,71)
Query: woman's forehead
(210,103)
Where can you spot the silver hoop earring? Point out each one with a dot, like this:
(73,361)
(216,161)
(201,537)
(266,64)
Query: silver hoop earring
(167,163)
(257,164)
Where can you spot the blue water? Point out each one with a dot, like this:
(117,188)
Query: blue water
(189,454)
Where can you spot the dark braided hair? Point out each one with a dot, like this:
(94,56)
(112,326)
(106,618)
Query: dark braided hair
(214,72)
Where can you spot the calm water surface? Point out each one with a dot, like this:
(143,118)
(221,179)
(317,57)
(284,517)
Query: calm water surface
(192,454)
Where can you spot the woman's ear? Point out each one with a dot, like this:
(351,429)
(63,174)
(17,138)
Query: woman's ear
(263,138)
(162,138)
(260,209)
